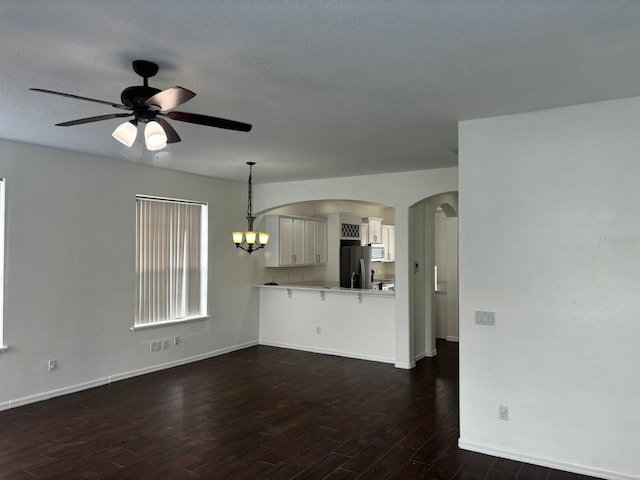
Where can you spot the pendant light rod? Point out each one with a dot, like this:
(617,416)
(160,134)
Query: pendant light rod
(250,217)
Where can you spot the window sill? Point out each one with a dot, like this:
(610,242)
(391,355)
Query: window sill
(147,326)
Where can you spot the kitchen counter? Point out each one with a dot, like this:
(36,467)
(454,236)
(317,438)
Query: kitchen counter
(356,323)
(330,289)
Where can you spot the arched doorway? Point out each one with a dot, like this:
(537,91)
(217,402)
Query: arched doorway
(446,272)
(434,300)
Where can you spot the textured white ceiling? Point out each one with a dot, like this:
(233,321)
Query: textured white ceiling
(332,88)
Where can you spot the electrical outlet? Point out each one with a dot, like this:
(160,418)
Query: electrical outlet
(503,412)
(165,344)
(176,340)
(53,364)
(318,330)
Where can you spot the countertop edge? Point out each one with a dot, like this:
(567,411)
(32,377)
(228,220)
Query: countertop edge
(340,290)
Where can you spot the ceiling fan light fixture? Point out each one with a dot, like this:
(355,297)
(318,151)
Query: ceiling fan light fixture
(145,103)
(126,133)
(154,136)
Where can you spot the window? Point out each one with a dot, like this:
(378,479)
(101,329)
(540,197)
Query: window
(171,261)
(2,345)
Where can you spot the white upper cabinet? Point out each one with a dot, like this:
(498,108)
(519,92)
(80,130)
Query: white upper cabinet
(295,241)
(389,240)
(321,241)
(298,241)
(310,241)
(289,242)
(374,229)
(364,231)
(315,241)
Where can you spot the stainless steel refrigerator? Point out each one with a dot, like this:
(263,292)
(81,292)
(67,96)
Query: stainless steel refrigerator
(355,267)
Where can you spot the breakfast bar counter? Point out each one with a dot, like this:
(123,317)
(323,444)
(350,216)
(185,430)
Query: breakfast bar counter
(356,323)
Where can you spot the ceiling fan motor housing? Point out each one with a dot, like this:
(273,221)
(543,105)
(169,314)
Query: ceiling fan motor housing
(134,97)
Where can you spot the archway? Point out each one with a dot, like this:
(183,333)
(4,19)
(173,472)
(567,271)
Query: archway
(426,303)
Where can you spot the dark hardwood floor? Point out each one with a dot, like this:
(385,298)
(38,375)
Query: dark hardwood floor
(260,413)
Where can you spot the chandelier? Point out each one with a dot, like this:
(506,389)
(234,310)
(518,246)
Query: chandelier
(247,240)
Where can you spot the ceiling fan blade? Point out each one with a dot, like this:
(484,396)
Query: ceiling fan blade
(169,98)
(209,121)
(172,135)
(115,105)
(80,121)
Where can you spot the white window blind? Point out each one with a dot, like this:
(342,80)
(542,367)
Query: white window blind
(171,261)
(2,345)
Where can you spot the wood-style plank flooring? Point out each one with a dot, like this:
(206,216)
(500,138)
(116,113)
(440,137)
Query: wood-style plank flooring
(260,413)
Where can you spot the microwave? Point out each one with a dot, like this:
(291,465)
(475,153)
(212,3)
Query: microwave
(377,252)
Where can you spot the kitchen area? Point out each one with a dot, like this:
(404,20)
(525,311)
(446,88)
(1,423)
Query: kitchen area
(326,279)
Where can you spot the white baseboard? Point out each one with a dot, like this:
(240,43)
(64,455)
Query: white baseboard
(327,351)
(405,365)
(453,339)
(544,461)
(38,397)
(421,355)
(182,361)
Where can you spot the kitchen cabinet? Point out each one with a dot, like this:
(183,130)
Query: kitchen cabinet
(315,242)
(364,232)
(389,240)
(350,226)
(374,229)
(295,241)
(321,242)
(291,241)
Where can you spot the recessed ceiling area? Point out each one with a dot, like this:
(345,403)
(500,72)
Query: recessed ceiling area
(332,88)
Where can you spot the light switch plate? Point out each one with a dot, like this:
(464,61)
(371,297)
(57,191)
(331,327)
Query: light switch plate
(485,318)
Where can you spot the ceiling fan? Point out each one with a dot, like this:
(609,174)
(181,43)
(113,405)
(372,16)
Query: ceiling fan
(150,106)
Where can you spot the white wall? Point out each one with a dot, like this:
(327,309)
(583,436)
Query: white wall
(452,279)
(69,276)
(397,190)
(550,241)
(419,282)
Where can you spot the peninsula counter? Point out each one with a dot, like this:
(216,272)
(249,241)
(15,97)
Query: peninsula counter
(354,323)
